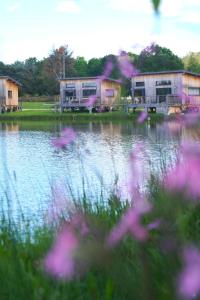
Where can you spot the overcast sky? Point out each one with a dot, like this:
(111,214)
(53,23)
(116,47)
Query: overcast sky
(94,28)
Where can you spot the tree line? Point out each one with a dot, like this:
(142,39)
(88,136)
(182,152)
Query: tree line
(41,77)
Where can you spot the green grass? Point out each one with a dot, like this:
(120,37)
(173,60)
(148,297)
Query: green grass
(42,115)
(132,270)
(37,105)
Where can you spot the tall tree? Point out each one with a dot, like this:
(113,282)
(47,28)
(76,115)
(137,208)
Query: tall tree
(156,58)
(60,62)
(81,67)
(192,62)
(95,67)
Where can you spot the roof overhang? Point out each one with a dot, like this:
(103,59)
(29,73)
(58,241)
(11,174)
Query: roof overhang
(8,78)
(90,78)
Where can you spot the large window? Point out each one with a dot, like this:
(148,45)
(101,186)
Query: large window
(89,92)
(163,82)
(139,92)
(9,94)
(161,94)
(70,86)
(89,85)
(109,93)
(163,91)
(70,94)
(139,83)
(193,91)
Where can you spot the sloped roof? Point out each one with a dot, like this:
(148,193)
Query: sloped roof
(169,72)
(90,78)
(10,79)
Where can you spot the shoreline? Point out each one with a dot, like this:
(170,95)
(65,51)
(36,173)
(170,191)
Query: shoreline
(44,115)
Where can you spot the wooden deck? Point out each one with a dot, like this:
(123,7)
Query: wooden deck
(157,104)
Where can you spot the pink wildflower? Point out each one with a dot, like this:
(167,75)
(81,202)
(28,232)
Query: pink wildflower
(78,223)
(189,279)
(107,71)
(137,173)
(67,136)
(154,225)
(125,65)
(185,99)
(60,260)
(58,206)
(142,117)
(131,223)
(184,176)
(91,100)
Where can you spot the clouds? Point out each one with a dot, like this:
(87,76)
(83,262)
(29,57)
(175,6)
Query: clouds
(138,6)
(68,6)
(183,10)
(13,7)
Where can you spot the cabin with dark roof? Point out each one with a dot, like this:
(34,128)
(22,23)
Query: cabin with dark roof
(9,89)
(76,92)
(166,88)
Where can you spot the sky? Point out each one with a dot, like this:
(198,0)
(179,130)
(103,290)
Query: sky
(94,28)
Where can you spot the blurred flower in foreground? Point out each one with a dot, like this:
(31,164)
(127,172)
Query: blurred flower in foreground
(125,65)
(130,223)
(185,175)
(91,101)
(107,71)
(142,117)
(189,279)
(67,136)
(59,261)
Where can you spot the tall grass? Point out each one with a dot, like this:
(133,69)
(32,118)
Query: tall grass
(131,270)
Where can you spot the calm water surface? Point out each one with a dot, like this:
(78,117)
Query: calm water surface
(30,166)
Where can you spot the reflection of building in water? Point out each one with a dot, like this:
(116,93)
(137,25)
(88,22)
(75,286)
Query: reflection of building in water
(10,127)
(110,129)
(191,133)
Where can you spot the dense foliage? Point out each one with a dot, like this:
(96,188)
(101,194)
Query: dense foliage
(192,62)
(40,77)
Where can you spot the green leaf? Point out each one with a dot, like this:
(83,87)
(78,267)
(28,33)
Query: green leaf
(156,4)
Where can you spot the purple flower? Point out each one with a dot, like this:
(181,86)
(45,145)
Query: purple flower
(184,176)
(142,117)
(189,279)
(130,222)
(107,71)
(125,65)
(91,101)
(154,225)
(67,136)
(79,224)
(58,206)
(60,260)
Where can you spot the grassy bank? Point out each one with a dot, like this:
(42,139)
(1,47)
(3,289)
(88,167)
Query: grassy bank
(42,115)
(37,105)
(131,270)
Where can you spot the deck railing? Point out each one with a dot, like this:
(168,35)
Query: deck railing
(69,101)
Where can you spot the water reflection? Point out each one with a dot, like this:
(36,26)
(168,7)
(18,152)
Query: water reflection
(30,166)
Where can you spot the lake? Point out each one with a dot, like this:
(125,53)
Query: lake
(32,169)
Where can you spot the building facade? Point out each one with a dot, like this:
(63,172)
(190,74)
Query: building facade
(76,92)
(9,90)
(167,87)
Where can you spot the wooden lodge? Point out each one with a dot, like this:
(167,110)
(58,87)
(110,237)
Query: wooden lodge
(9,89)
(76,92)
(166,90)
